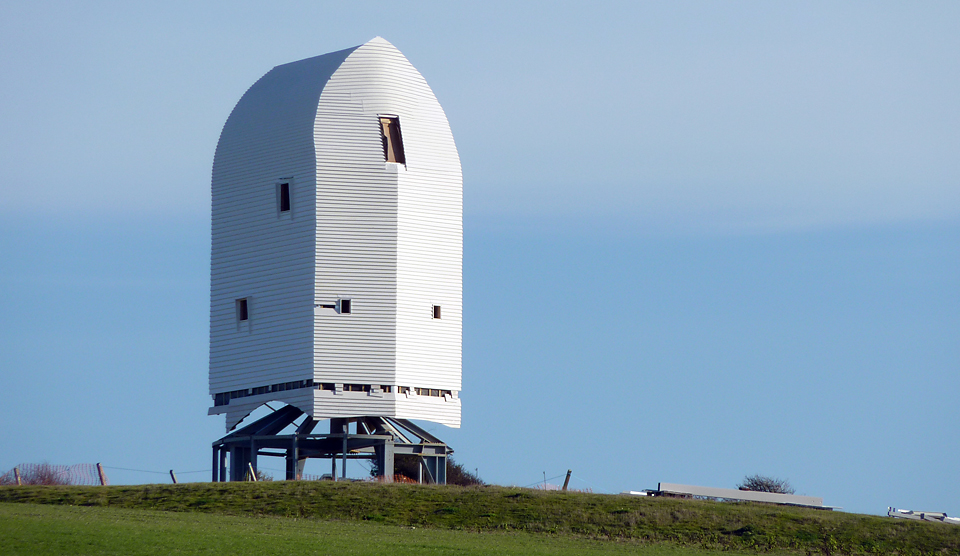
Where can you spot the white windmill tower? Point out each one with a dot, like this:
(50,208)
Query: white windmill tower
(336,265)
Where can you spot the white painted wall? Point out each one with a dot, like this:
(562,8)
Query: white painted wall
(410,234)
(387,236)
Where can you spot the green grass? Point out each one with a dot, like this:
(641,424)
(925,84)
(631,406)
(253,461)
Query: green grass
(543,516)
(27,529)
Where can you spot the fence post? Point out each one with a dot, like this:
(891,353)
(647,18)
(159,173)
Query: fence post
(567,480)
(103,476)
(253,474)
(16,475)
(173,476)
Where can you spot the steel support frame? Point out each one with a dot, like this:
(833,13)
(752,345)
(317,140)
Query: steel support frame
(377,438)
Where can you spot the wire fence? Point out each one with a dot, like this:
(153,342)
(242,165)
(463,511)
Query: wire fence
(89,474)
(544,484)
(95,474)
(207,471)
(49,474)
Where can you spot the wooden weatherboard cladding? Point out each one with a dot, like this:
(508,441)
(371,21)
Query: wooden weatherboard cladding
(340,289)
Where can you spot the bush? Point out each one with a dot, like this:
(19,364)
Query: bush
(762,483)
(38,474)
(457,474)
(409,466)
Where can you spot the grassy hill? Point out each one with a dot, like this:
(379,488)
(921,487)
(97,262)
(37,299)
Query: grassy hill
(30,529)
(549,516)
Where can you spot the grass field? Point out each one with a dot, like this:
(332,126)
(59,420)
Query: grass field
(27,529)
(369,518)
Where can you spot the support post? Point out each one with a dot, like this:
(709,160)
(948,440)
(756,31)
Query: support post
(385,460)
(16,475)
(292,460)
(567,480)
(346,433)
(223,465)
(339,426)
(253,454)
(173,476)
(296,457)
(101,474)
(253,473)
(388,460)
(235,464)
(214,468)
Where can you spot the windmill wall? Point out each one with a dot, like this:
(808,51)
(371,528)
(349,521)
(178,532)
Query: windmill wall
(385,236)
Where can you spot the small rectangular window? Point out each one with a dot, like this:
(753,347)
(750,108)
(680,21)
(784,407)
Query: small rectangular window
(392,141)
(345,306)
(436,311)
(243,313)
(284,196)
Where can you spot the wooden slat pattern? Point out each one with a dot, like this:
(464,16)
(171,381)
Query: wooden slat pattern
(386,236)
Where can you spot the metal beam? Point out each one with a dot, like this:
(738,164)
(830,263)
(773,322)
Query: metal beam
(389,437)
(307,426)
(424,435)
(270,424)
(214,467)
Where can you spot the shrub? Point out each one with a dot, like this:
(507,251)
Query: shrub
(38,474)
(762,483)
(457,474)
(409,466)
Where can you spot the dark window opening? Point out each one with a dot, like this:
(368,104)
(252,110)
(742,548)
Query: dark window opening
(392,141)
(242,313)
(436,311)
(284,197)
(433,392)
(345,306)
(223,398)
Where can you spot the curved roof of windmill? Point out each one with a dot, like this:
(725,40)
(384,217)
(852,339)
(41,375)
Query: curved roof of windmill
(283,104)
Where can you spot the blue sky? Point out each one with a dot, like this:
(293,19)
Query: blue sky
(702,240)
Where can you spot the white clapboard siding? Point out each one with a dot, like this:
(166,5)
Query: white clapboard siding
(257,253)
(386,236)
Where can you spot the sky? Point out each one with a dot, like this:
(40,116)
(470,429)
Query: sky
(701,240)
